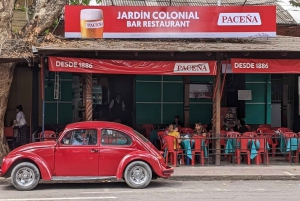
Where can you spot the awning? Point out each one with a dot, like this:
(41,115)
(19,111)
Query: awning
(269,66)
(84,65)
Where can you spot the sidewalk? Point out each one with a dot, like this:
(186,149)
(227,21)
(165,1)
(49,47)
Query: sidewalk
(237,173)
(210,173)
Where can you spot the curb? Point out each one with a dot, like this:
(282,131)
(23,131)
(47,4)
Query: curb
(232,177)
(189,178)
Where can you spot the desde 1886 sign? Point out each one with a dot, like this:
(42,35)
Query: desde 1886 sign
(170,22)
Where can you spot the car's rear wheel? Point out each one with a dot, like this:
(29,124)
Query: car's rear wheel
(138,174)
(25,176)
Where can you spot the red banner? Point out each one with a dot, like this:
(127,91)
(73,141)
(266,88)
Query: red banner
(170,21)
(82,65)
(272,66)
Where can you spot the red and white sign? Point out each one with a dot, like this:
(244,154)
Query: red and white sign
(170,21)
(270,66)
(82,65)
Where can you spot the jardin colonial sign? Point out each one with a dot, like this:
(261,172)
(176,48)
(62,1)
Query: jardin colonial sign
(170,21)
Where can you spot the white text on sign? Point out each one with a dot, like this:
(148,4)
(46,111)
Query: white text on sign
(251,65)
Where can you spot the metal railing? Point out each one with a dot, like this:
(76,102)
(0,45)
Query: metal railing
(259,150)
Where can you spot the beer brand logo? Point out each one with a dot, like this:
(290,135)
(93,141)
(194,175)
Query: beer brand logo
(94,25)
(191,68)
(239,19)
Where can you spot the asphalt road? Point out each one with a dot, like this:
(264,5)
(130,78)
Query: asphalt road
(161,190)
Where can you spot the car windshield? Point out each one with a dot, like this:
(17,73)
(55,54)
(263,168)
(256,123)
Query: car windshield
(140,136)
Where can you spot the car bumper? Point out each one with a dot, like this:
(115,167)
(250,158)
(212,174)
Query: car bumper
(167,171)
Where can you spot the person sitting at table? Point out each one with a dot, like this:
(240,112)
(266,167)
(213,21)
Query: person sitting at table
(241,126)
(199,130)
(173,131)
(209,126)
(177,121)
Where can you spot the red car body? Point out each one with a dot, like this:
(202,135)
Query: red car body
(57,161)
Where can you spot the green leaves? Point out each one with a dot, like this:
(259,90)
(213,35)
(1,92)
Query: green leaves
(295,3)
(83,2)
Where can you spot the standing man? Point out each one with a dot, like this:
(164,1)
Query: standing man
(117,108)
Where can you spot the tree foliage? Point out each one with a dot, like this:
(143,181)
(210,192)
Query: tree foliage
(295,3)
(83,2)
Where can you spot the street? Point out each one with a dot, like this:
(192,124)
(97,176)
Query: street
(160,190)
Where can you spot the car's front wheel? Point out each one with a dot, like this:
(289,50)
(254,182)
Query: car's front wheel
(25,176)
(138,174)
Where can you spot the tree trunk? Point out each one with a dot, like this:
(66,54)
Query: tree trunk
(6,70)
(6,77)
(45,14)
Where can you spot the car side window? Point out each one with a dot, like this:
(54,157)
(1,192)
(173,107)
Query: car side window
(114,137)
(80,137)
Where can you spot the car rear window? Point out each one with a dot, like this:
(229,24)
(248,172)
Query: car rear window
(141,136)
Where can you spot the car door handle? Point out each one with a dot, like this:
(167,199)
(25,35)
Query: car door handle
(94,150)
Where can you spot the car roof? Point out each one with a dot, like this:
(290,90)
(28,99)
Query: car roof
(97,124)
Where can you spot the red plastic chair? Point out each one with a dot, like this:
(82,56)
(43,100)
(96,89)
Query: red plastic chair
(223,138)
(186,130)
(262,153)
(148,128)
(265,126)
(243,149)
(283,130)
(250,134)
(171,151)
(161,135)
(272,140)
(198,149)
(9,132)
(232,134)
(261,130)
(248,127)
(48,135)
(288,136)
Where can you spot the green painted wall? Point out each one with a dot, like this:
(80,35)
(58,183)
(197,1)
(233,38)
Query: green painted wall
(258,110)
(159,98)
(58,110)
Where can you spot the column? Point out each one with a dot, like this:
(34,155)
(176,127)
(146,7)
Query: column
(217,112)
(186,81)
(88,97)
(35,99)
(284,102)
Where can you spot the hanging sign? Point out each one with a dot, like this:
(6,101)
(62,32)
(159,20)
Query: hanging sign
(170,21)
(82,65)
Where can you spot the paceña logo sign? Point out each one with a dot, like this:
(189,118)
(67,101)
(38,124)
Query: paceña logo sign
(191,68)
(239,19)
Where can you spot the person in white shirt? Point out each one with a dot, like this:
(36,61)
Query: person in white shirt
(20,125)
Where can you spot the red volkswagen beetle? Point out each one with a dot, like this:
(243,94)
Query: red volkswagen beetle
(87,151)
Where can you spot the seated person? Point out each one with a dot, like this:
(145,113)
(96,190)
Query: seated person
(177,121)
(199,130)
(173,131)
(240,126)
(209,126)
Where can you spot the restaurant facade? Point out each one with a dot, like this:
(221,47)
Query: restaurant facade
(156,77)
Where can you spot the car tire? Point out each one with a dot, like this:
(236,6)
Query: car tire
(138,174)
(25,176)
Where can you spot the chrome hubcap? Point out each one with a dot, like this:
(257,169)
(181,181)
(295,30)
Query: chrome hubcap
(25,176)
(138,175)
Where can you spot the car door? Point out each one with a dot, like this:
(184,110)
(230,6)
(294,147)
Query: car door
(77,153)
(114,145)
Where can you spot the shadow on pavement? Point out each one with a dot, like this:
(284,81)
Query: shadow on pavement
(94,185)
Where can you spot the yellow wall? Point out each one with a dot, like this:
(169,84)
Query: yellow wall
(20,94)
